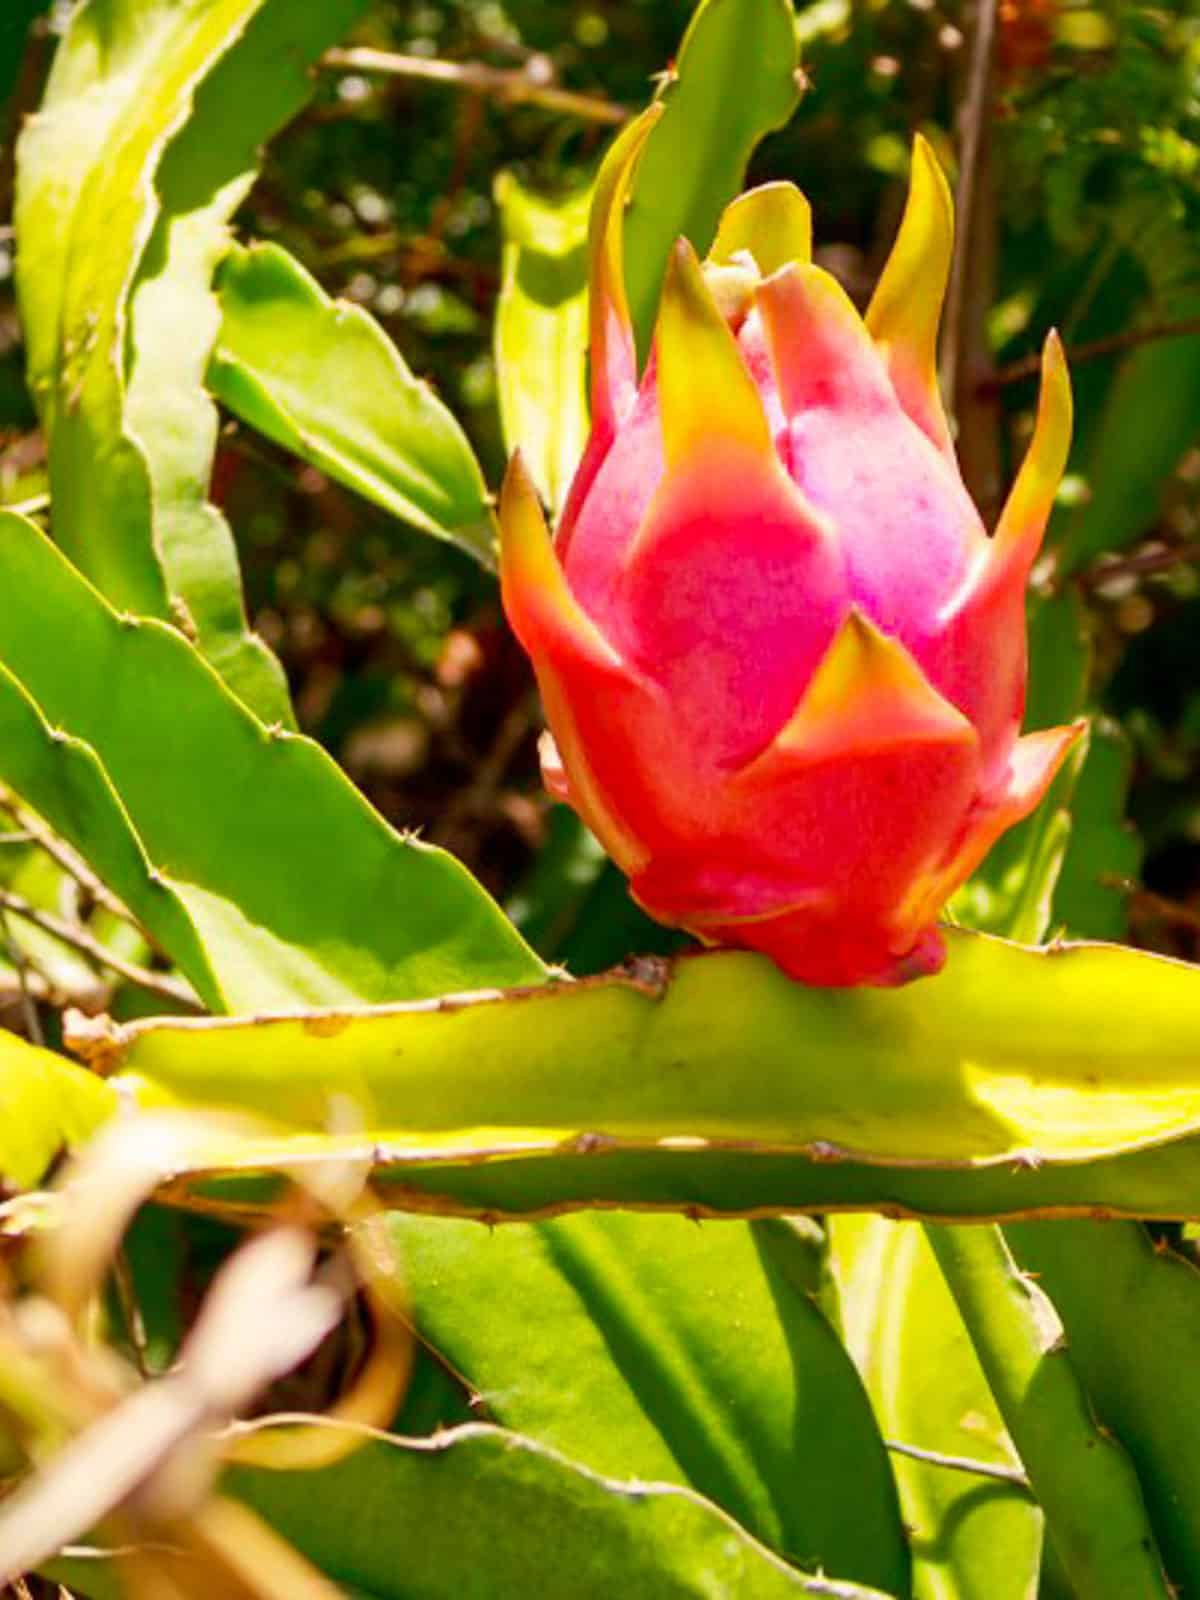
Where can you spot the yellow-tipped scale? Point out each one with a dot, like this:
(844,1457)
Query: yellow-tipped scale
(906,307)
(1027,510)
(774,223)
(867,693)
(614,361)
(706,394)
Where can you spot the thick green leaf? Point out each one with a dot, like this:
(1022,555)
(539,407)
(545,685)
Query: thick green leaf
(477,1513)
(1132,1320)
(297,887)
(64,780)
(46,1103)
(205,174)
(321,378)
(542,332)
(973,1537)
(1095,1514)
(995,1060)
(647,1346)
(128,471)
(988,1089)
(734,80)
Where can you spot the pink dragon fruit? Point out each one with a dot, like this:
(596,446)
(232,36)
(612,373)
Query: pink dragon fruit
(782,662)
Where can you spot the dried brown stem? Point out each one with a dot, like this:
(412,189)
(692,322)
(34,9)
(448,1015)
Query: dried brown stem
(29,1011)
(73,865)
(972,128)
(131,1311)
(1173,911)
(88,945)
(508,85)
(479,796)
(1141,565)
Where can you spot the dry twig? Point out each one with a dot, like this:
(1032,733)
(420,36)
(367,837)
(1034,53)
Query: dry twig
(1112,344)
(88,945)
(525,86)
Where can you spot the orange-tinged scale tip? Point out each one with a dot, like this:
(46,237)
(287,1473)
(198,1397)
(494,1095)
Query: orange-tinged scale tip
(565,645)
(1027,510)
(705,390)
(608,303)
(1034,764)
(906,307)
(773,222)
(537,597)
(867,694)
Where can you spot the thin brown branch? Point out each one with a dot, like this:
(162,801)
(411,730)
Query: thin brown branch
(1157,905)
(29,1011)
(131,1312)
(971,135)
(479,797)
(71,863)
(1093,350)
(88,945)
(1141,565)
(520,86)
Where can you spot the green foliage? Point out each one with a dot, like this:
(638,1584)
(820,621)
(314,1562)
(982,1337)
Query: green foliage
(1081,1476)
(656,1407)
(119,240)
(618,1317)
(321,379)
(695,158)
(45,1102)
(541,332)
(1130,1313)
(973,1536)
(479,1512)
(238,819)
(990,1092)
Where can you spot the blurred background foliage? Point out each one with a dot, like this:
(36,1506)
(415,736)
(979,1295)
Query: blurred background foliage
(1087,217)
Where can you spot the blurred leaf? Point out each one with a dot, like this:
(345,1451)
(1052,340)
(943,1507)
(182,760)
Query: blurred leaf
(46,1103)
(478,1512)
(541,332)
(973,1537)
(546,904)
(128,471)
(734,80)
(645,1322)
(1059,658)
(1012,892)
(321,378)
(986,1090)
(298,890)
(1149,421)
(1104,853)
